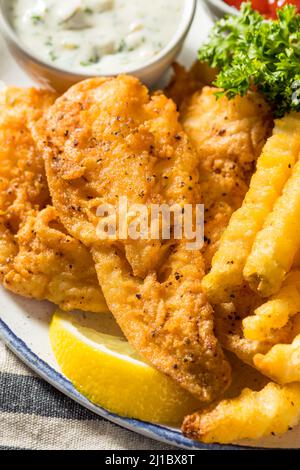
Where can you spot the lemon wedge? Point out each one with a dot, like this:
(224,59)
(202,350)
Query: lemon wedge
(92,352)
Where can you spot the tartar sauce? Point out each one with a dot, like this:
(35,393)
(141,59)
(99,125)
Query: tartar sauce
(96,36)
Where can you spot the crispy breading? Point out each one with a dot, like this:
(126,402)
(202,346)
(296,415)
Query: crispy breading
(23,184)
(281,363)
(224,183)
(229,331)
(111,140)
(37,258)
(8,248)
(277,244)
(229,328)
(52,265)
(276,312)
(183,83)
(232,131)
(274,168)
(252,415)
(228,136)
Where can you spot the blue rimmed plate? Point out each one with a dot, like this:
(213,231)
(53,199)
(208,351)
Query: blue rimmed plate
(24,324)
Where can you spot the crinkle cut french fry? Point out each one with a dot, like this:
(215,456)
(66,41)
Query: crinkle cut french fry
(246,349)
(277,244)
(274,168)
(275,314)
(281,363)
(229,334)
(252,415)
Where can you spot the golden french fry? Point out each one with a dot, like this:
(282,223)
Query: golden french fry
(276,313)
(252,415)
(229,333)
(277,244)
(281,363)
(274,168)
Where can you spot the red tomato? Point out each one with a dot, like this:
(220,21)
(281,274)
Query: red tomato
(275,4)
(266,7)
(235,3)
(261,5)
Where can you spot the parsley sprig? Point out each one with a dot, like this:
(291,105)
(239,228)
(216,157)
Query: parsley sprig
(252,51)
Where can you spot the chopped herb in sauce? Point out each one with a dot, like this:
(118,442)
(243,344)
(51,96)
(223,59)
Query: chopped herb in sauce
(36,19)
(104,35)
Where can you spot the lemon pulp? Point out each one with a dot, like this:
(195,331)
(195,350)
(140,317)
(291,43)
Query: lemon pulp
(92,352)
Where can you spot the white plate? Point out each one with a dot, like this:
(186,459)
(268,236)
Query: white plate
(24,324)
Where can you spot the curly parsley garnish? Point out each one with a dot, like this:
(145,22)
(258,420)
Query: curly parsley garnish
(252,51)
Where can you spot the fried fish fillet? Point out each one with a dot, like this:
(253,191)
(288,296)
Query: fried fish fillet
(50,264)
(185,83)
(112,139)
(23,184)
(38,259)
(228,136)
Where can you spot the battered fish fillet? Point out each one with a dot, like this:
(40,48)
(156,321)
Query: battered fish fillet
(23,184)
(52,265)
(185,83)
(228,136)
(38,259)
(105,139)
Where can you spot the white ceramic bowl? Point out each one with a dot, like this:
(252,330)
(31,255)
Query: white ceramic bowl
(218,8)
(60,79)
